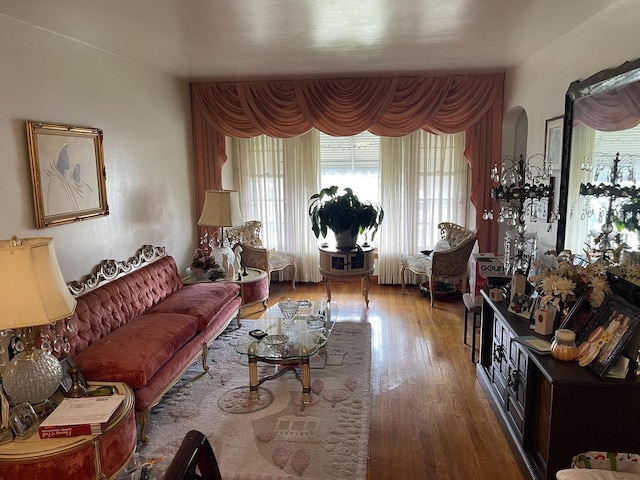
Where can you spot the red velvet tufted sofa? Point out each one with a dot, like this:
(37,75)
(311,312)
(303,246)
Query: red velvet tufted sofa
(138,323)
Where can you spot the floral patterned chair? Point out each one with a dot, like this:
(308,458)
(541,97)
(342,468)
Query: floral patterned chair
(255,255)
(445,262)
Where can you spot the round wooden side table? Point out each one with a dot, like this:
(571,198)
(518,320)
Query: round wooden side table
(84,457)
(336,263)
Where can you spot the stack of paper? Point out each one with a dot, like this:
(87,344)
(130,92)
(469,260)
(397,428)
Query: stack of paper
(80,416)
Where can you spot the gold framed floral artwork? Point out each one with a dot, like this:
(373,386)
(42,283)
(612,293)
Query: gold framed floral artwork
(67,173)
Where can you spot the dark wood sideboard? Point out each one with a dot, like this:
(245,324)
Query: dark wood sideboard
(551,410)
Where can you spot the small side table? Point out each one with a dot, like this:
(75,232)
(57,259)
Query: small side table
(88,457)
(336,263)
(254,286)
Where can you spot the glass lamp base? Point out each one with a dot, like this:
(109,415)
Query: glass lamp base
(520,249)
(32,377)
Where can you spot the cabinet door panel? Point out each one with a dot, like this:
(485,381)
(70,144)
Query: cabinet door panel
(499,382)
(516,416)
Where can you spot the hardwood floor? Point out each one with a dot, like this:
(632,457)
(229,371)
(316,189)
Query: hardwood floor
(429,416)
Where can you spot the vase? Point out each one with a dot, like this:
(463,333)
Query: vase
(197,273)
(345,240)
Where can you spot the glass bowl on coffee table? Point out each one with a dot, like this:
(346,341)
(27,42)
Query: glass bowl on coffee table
(290,344)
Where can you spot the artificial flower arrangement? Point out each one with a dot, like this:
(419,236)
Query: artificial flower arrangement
(203,260)
(210,268)
(561,286)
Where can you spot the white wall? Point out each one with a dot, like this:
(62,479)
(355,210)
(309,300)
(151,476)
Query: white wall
(145,116)
(539,84)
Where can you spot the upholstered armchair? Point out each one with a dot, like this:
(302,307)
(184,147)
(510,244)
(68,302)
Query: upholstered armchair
(447,263)
(255,255)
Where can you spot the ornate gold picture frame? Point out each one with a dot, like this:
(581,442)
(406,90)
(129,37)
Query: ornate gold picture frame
(67,173)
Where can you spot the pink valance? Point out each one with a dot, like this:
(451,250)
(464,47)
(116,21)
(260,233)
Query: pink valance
(391,106)
(611,111)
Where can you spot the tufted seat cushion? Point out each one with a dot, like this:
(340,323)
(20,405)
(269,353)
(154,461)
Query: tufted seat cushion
(200,300)
(162,335)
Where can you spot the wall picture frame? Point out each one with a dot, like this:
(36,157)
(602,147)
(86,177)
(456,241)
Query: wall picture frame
(610,329)
(67,173)
(553,140)
(553,151)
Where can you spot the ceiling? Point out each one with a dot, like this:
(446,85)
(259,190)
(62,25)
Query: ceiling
(261,39)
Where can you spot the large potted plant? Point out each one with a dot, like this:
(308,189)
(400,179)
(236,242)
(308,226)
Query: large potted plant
(345,215)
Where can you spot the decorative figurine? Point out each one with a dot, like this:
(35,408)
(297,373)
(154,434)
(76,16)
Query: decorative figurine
(237,262)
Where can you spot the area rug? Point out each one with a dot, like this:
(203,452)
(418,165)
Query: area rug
(278,437)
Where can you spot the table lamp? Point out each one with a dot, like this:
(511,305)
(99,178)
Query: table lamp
(32,294)
(217,212)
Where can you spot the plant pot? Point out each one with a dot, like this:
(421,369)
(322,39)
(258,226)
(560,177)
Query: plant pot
(346,241)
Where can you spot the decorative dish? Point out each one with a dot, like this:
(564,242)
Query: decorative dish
(275,339)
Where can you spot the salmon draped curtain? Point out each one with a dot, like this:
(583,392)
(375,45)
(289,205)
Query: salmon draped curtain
(611,111)
(391,107)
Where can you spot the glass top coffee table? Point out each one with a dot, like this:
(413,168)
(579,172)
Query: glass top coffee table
(287,343)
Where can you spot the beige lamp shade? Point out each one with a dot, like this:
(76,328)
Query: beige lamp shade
(216,211)
(236,214)
(32,289)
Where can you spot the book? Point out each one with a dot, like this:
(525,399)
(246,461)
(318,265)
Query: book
(536,344)
(80,416)
(63,431)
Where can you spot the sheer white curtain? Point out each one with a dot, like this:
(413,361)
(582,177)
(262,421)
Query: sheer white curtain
(577,233)
(424,181)
(275,178)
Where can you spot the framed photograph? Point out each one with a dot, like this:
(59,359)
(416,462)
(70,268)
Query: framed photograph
(523,304)
(66,382)
(553,141)
(67,173)
(612,326)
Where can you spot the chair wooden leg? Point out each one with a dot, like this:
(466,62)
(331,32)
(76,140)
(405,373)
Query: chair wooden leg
(473,338)
(431,291)
(466,322)
(402,279)
(295,274)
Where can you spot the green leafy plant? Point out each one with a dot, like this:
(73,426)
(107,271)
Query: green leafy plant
(629,214)
(343,213)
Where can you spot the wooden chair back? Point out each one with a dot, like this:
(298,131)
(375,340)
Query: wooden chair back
(194,460)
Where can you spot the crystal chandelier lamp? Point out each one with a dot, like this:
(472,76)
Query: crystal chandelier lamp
(615,171)
(33,295)
(521,192)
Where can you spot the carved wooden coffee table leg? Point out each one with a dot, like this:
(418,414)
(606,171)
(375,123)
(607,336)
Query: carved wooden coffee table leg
(327,285)
(367,285)
(253,379)
(306,380)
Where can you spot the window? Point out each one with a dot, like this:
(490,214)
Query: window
(352,162)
